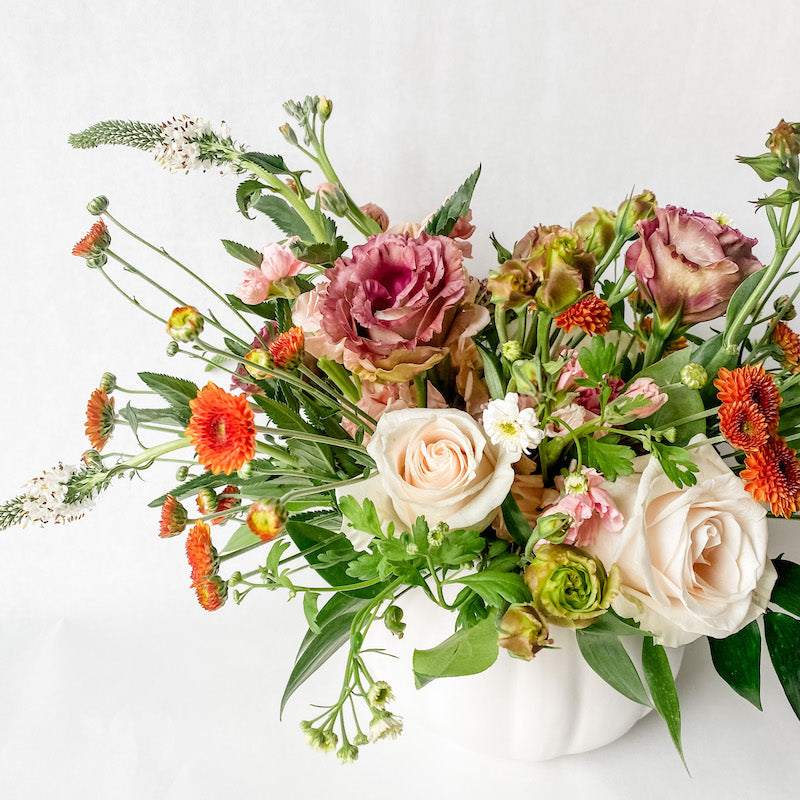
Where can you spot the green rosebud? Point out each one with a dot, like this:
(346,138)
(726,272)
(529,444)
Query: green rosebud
(512,285)
(523,632)
(393,620)
(635,209)
(185,324)
(108,381)
(784,308)
(324,107)
(97,205)
(597,229)
(570,587)
(694,376)
(784,139)
(511,350)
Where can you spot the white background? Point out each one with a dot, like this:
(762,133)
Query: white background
(113,682)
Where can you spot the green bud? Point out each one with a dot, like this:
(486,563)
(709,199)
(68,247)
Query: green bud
(523,632)
(436,534)
(570,587)
(347,754)
(511,350)
(328,741)
(412,549)
(96,261)
(553,527)
(324,107)
(784,139)
(97,205)
(783,306)
(767,166)
(108,381)
(670,434)
(332,198)
(694,376)
(92,460)
(173,348)
(185,324)
(597,229)
(245,471)
(182,473)
(635,209)
(235,579)
(393,620)
(288,133)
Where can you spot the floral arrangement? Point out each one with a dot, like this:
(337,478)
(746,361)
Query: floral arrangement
(559,445)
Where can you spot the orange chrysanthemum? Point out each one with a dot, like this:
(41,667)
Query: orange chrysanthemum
(591,314)
(750,384)
(99,418)
(94,242)
(173,518)
(789,343)
(266,519)
(772,475)
(287,349)
(222,429)
(200,552)
(743,425)
(211,592)
(208,502)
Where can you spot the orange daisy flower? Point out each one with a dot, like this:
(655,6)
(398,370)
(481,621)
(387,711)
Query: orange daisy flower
(750,384)
(212,592)
(743,425)
(97,240)
(591,314)
(266,519)
(173,518)
(287,349)
(222,429)
(772,475)
(789,343)
(99,418)
(201,552)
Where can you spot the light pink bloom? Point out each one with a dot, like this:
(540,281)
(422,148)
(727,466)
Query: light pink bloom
(648,388)
(573,414)
(307,314)
(591,508)
(253,288)
(377,213)
(278,261)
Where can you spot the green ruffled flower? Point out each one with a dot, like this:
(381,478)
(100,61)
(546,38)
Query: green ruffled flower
(523,632)
(570,587)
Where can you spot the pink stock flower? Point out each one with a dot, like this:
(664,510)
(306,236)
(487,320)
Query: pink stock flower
(591,508)
(277,261)
(397,306)
(689,264)
(649,389)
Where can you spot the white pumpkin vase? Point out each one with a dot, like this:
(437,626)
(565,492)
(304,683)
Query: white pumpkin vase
(529,711)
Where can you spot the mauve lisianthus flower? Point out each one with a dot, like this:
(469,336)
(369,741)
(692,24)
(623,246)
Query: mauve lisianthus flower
(396,307)
(689,264)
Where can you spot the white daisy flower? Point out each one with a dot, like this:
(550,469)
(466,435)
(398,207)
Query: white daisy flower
(511,428)
(385,726)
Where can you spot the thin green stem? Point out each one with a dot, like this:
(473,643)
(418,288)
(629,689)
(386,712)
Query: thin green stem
(130,299)
(310,491)
(311,437)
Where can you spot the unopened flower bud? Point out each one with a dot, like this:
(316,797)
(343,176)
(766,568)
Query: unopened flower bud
(324,107)
(286,352)
(207,501)
(393,620)
(185,324)
(332,198)
(511,350)
(172,348)
(412,549)
(92,460)
(182,473)
(97,205)
(767,166)
(95,243)
(670,434)
(347,754)
(267,519)
(641,207)
(108,381)
(437,533)
(262,359)
(235,579)
(288,133)
(375,213)
(523,632)
(245,471)
(694,376)
(784,139)
(553,527)
(597,229)
(783,306)
(97,261)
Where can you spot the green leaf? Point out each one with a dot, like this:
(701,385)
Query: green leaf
(364,517)
(319,252)
(599,360)
(269,163)
(658,674)
(609,458)
(492,373)
(176,391)
(782,634)
(786,593)
(457,205)
(467,652)
(242,537)
(310,600)
(676,462)
(243,252)
(284,216)
(778,199)
(503,253)
(737,659)
(610,624)
(610,660)
(245,192)
(519,527)
(742,295)
(495,588)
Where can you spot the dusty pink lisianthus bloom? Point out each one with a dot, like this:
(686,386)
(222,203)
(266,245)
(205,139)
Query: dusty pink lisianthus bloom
(396,306)
(277,261)
(690,260)
(649,389)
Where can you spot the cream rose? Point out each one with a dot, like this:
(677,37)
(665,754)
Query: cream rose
(693,561)
(434,463)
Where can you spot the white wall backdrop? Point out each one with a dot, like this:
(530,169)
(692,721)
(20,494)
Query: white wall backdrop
(113,682)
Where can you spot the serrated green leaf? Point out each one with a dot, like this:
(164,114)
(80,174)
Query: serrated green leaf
(457,205)
(782,634)
(609,458)
(660,681)
(610,660)
(319,252)
(786,592)
(737,660)
(599,359)
(467,652)
(495,587)
(243,252)
(284,216)
(245,192)
(676,462)
(176,391)
(270,163)
(363,516)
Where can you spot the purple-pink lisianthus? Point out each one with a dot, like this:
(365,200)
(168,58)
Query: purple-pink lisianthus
(689,264)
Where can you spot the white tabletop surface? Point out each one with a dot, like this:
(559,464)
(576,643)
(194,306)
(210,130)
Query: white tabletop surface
(113,682)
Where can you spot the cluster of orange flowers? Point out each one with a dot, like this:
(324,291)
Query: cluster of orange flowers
(748,419)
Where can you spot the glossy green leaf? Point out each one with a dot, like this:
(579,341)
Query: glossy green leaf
(242,537)
(609,624)
(310,600)
(610,660)
(496,588)
(737,659)
(519,527)
(786,593)
(492,373)
(457,205)
(660,681)
(782,634)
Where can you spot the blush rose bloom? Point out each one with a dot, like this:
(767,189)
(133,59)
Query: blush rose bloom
(693,561)
(434,463)
(687,263)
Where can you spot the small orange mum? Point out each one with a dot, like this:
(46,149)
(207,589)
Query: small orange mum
(266,519)
(99,418)
(789,343)
(591,314)
(772,475)
(222,429)
(287,349)
(743,425)
(750,384)
(208,502)
(173,518)
(97,240)
(200,551)
(211,592)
